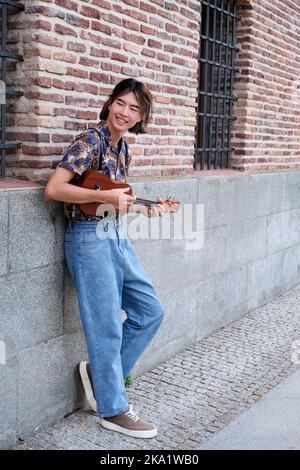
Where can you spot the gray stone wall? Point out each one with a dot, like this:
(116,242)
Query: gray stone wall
(250,254)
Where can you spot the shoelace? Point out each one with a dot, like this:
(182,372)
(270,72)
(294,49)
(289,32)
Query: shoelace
(132,415)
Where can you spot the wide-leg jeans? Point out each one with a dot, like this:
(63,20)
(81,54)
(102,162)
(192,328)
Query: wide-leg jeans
(108,277)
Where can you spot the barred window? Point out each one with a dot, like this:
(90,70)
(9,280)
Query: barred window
(216,72)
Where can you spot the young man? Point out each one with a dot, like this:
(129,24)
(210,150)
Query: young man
(106,271)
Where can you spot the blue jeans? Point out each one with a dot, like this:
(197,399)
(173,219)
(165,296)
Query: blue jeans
(108,277)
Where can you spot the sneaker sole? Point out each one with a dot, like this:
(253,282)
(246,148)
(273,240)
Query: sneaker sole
(87,386)
(139,434)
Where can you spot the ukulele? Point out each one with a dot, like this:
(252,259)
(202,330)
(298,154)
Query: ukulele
(95,179)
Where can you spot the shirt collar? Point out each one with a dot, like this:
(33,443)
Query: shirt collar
(107,136)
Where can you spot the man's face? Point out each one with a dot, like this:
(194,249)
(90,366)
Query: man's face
(124,112)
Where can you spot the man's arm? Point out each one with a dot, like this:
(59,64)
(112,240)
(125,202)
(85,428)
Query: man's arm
(59,189)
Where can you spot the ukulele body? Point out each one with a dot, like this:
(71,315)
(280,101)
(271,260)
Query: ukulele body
(95,179)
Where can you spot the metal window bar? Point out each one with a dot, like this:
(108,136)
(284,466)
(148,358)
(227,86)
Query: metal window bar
(215,84)
(6,7)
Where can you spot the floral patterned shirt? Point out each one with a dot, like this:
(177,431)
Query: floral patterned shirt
(84,153)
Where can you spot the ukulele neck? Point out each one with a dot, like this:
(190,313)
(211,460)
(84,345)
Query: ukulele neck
(145,202)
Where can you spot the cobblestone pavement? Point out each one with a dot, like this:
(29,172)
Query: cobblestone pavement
(200,390)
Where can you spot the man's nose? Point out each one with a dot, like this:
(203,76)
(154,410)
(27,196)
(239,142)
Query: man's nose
(125,110)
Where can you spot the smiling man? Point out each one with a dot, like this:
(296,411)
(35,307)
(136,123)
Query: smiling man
(106,271)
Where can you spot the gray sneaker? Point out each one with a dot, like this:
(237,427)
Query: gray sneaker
(87,382)
(130,424)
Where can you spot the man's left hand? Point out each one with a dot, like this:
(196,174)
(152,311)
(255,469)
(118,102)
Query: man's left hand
(157,209)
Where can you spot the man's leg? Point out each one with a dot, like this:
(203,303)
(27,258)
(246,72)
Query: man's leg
(142,306)
(96,265)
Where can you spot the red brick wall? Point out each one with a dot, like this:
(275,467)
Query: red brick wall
(267,130)
(75,51)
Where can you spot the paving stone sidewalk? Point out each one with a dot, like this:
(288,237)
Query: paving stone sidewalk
(202,389)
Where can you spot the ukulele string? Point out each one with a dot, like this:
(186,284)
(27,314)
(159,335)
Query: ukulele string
(145,201)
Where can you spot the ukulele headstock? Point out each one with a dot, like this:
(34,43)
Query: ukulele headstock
(171,205)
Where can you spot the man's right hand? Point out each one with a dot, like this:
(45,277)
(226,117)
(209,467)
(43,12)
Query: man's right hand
(119,199)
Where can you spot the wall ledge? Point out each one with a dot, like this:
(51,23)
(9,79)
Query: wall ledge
(9,184)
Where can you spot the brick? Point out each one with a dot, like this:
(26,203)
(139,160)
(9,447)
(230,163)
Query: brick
(51,97)
(40,110)
(96,39)
(90,12)
(76,47)
(76,101)
(89,62)
(111,43)
(99,52)
(62,138)
(112,19)
(55,68)
(103,4)
(148,30)
(99,77)
(148,52)
(44,82)
(38,122)
(96,103)
(130,25)
(64,85)
(70,112)
(111,67)
(88,88)
(28,136)
(37,52)
(43,39)
(65,57)
(44,10)
(119,57)
(68,4)
(43,150)
(31,25)
(77,21)
(89,115)
(75,126)
(130,72)
(61,29)
(77,72)
(148,7)
(142,161)
(155,44)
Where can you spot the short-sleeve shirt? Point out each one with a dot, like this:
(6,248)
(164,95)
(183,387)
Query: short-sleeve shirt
(87,151)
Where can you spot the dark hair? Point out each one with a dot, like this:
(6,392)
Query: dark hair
(143,97)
